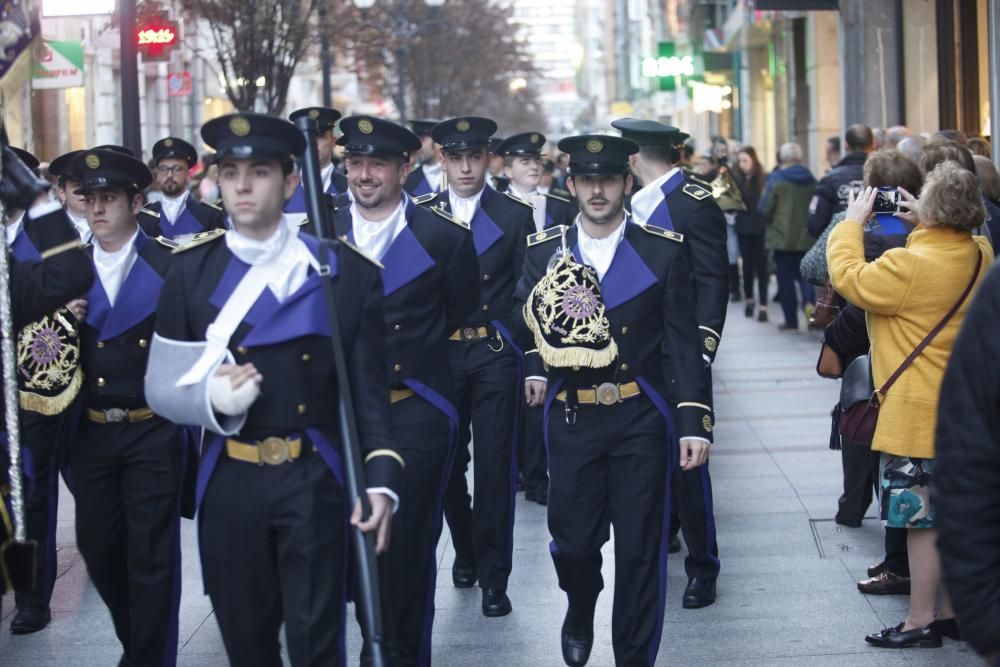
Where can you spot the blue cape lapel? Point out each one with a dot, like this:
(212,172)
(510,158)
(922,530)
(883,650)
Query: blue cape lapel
(485,232)
(423,187)
(405,260)
(626,278)
(136,300)
(660,217)
(186,223)
(23,249)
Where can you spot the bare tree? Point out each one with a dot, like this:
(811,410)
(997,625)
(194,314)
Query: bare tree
(258,45)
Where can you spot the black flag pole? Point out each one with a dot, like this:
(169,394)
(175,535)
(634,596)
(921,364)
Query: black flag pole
(363,543)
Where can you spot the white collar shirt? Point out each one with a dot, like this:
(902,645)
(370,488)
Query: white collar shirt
(171,207)
(645,201)
(599,253)
(464,208)
(113,267)
(375,237)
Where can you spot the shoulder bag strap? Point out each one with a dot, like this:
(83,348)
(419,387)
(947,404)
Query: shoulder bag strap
(936,330)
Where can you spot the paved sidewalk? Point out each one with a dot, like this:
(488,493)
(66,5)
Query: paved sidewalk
(787,591)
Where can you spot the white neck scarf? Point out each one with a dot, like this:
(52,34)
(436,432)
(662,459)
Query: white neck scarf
(599,253)
(284,254)
(375,237)
(171,207)
(433,173)
(645,201)
(113,267)
(464,208)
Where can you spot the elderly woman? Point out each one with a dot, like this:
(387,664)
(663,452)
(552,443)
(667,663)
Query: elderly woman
(906,293)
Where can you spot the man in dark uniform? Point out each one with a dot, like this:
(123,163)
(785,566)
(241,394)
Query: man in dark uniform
(522,156)
(495,177)
(66,185)
(334,183)
(427,175)
(431,284)
(126,463)
(38,287)
(49,380)
(485,363)
(668,200)
(243,348)
(177,216)
(614,322)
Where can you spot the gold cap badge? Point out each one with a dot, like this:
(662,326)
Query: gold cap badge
(365,126)
(462,126)
(535,138)
(168,142)
(239,126)
(314,113)
(93,161)
(595,146)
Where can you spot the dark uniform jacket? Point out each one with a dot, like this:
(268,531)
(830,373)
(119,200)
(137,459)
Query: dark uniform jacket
(430,283)
(967,472)
(833,190)
(289,343)
(649,302)
(194,218)
(338,186)
(691,211)
(500,229)
(114,340)
(416,184)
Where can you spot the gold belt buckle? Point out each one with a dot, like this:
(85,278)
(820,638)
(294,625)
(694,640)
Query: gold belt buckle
(274,451)
(470,334)
(608,394)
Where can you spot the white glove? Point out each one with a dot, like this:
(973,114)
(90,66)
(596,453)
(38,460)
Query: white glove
(228,401)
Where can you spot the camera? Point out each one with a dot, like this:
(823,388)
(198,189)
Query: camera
(886,201)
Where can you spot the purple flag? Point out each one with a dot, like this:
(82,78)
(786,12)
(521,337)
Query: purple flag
(19,24)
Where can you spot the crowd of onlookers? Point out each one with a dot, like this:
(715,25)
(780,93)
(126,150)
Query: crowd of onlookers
(889,254)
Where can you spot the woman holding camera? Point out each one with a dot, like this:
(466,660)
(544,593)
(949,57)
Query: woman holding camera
(906,293)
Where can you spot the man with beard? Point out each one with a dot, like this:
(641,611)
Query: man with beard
(243,349)
(625,290)
(486,364)
(428,175)
(430,281)
(671,201)
(334,183)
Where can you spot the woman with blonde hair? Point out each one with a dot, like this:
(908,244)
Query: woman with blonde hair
(906,294)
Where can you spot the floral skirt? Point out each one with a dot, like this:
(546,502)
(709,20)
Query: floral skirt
(906,492)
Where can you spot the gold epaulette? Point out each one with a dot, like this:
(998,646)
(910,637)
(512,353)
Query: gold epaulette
(422,199)
(696,191)
(665,233)
(449,217)
(558,198)
(149,212)
(201,238)
(170,243)
(348,244)
(519,200)
(217,205)
(546,235)
(305,221)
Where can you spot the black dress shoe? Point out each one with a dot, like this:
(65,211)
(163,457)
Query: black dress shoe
(578,634)
(947,627)
(876,569)
(540,496)
(30,619)
(925,637)
(675,545)
(495,602)
(885,583)
(463,576)
(699,593)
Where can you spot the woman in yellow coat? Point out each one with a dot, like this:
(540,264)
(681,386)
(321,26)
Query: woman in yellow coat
(906,293)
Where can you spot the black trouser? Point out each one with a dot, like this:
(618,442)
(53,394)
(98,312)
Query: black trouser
(610,468)
(897,557)
(860,480)
(41,436)
(487,390)
(531,453)
(408,571)
(754,256)
(126,483)
(273,549)
(787,267)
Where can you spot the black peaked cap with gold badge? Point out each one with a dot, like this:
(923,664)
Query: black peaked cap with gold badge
(422,126)
(253,135)
(598,154)
(62,166)
(368,135)
(326,117)
(527,143)
(102,169)
(650,132)
(178,149)
(464,133)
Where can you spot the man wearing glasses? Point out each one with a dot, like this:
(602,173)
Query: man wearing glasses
(177,216)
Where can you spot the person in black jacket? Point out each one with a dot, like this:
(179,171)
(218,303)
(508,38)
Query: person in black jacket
(750,228)
(967,473)
(835,187)
(177,215)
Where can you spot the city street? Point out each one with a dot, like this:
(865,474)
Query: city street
(787,592)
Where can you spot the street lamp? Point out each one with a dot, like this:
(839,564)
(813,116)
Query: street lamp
(403,32)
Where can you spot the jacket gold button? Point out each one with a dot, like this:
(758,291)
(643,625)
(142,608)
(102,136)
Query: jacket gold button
(396,327)
(306,357)
(241,350)
(100,345)
(397,368)
(486,306)
(143,343)
(624,330)
(486,277)
(100,382)
(302,408)
(624,367)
